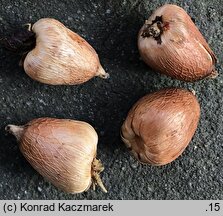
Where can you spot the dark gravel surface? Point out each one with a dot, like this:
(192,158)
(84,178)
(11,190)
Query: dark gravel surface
(111,27)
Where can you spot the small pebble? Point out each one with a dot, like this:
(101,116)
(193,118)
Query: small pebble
(108,11)
(39,189)
(134,165)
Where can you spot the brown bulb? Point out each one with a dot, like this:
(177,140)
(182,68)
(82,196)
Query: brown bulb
(55,55)
(62,150)
(160,125)
(170,43)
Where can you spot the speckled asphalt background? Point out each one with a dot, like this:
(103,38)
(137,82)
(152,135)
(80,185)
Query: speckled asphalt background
(111,27)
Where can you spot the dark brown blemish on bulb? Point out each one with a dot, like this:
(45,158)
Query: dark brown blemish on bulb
(155,29)
(20,41)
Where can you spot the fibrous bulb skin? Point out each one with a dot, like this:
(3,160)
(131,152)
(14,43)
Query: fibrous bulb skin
(55,55)
(160,125)
(170,43)
(63,151)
